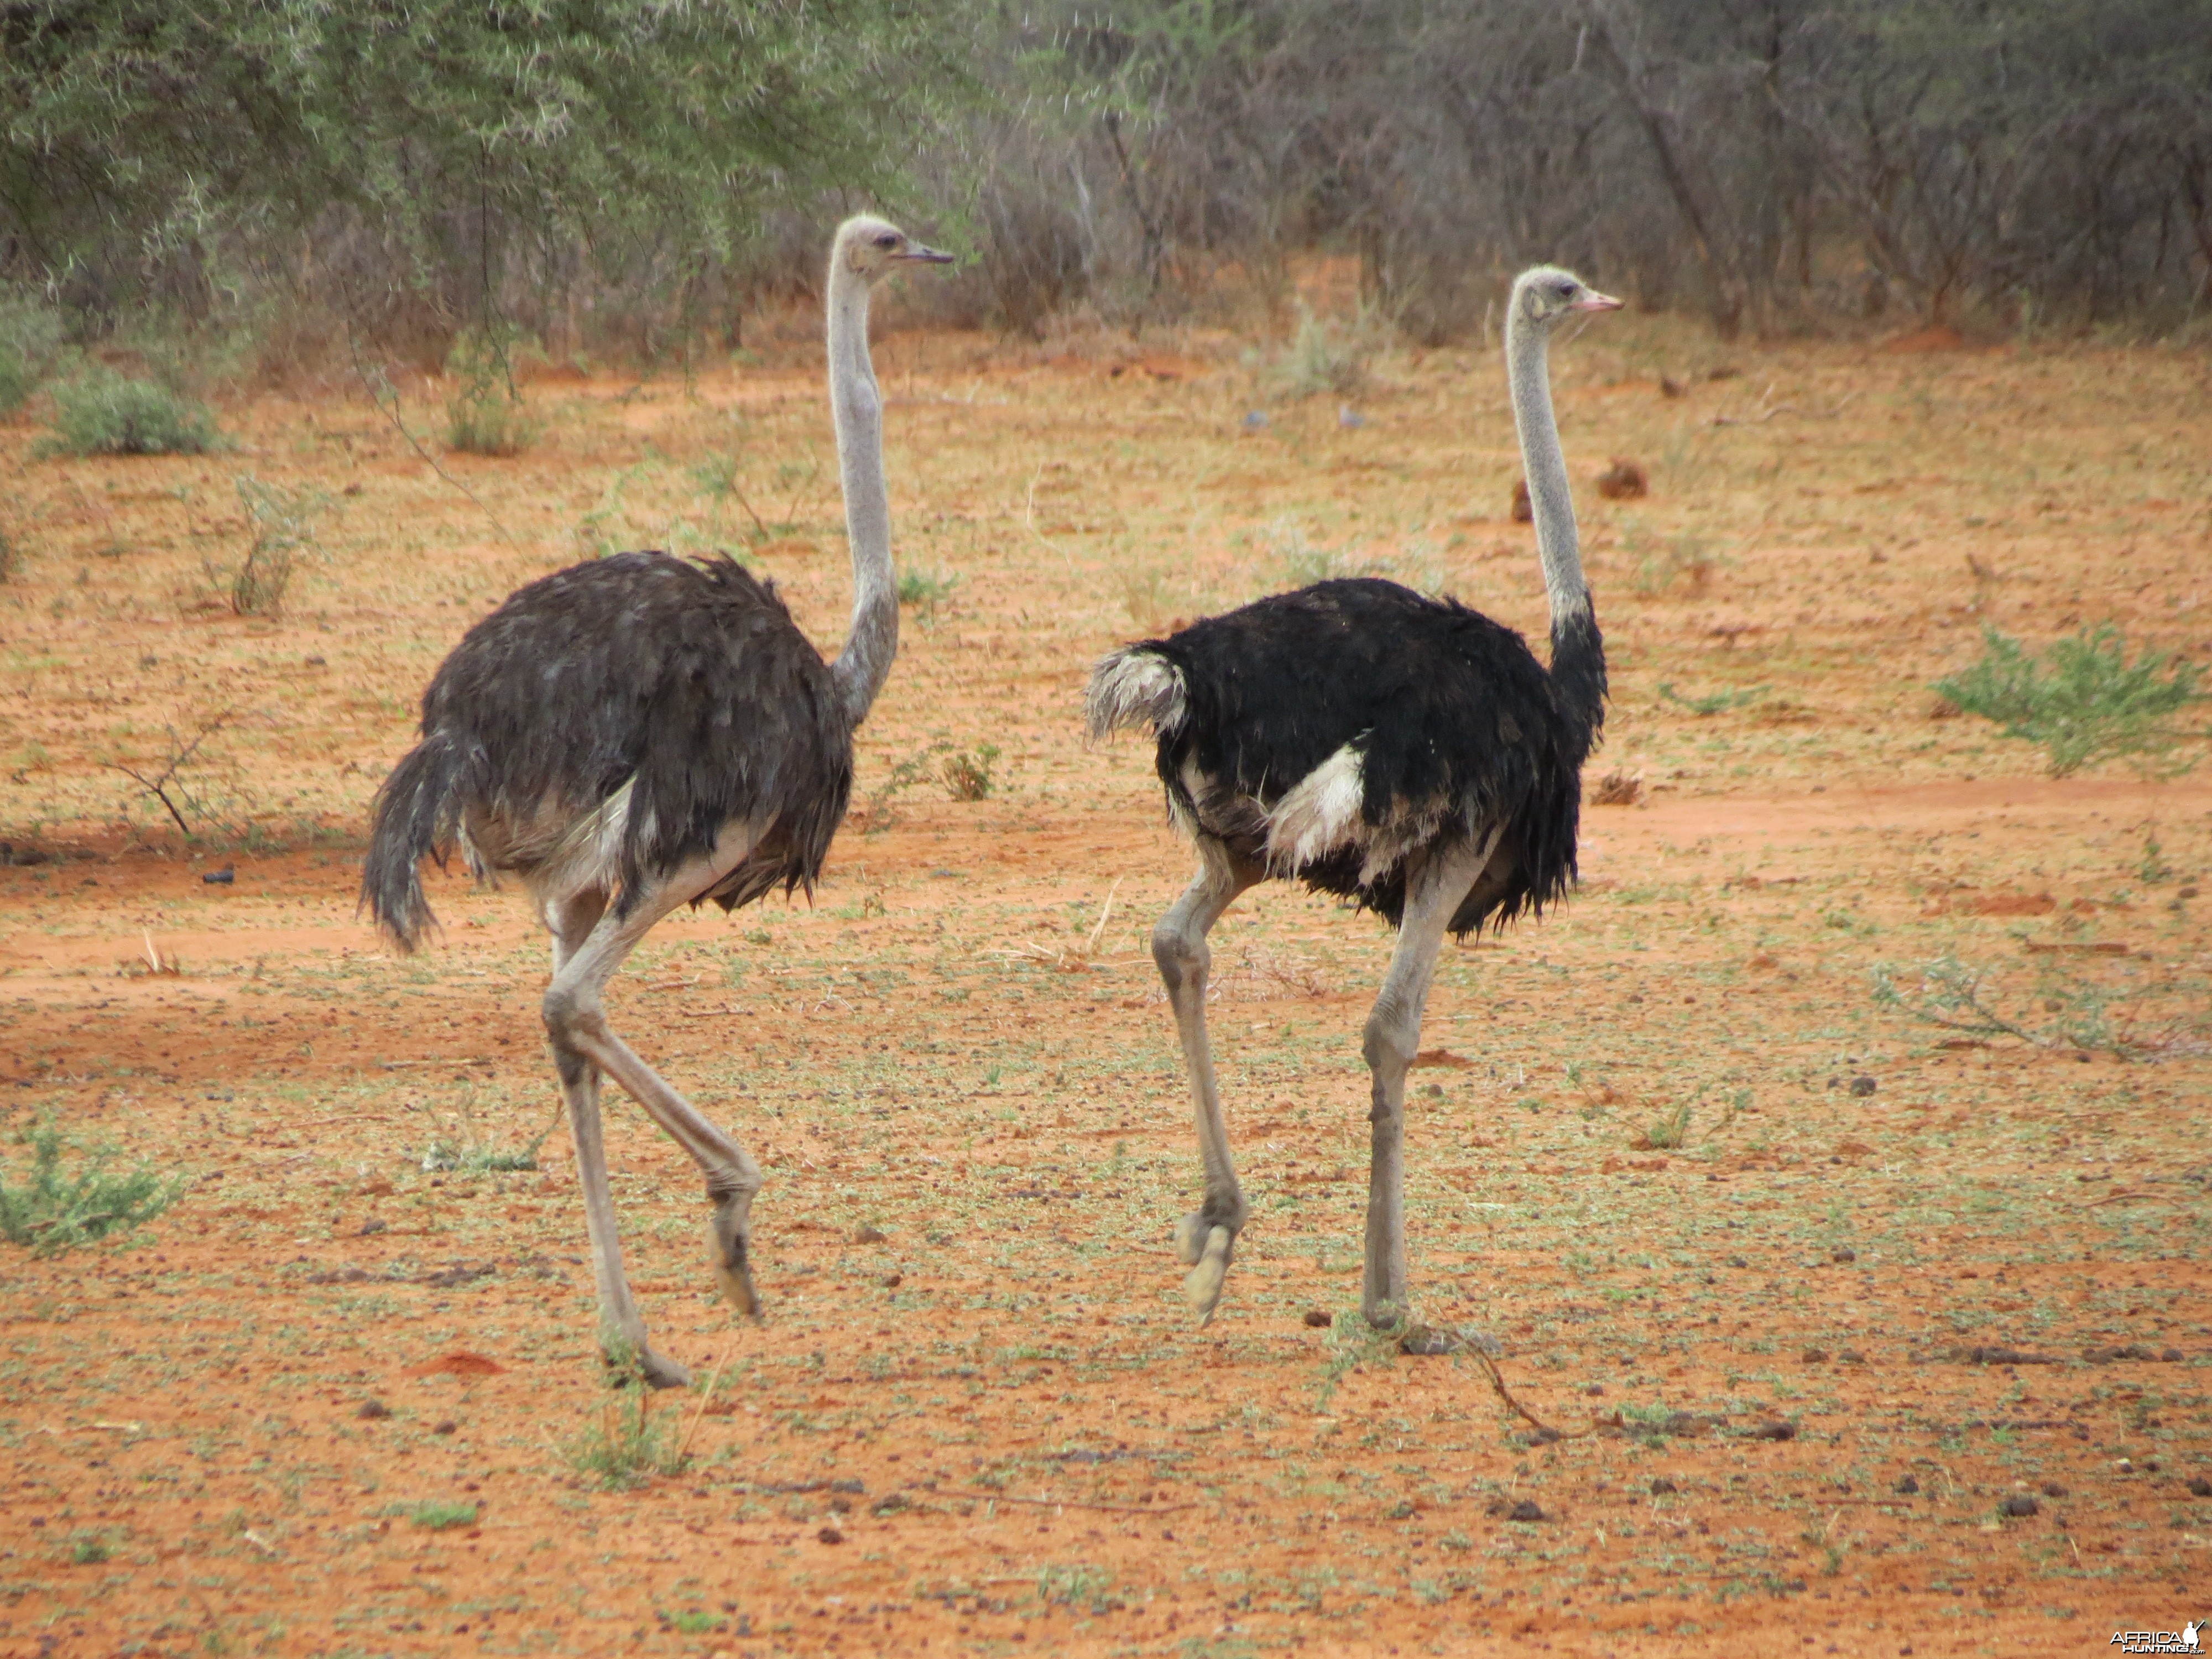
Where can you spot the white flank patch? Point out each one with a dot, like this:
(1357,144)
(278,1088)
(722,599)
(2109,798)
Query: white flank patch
(1134,687)
(1320,814)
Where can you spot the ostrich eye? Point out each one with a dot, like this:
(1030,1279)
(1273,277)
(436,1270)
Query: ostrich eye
(887,240)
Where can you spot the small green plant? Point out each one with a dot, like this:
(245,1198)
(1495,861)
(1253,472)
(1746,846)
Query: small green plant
(1949,994)
(440,1515)
(472,1152)
(1669,1132)
(1073,1584)
(2082,700)
(90,1548)
(2153,870)
(1325,355)
(484,412)
(695,1621)
(52,1209)
(1714,702)
(98,411)
(625,1445)
(283,523)
(881,811)
(967,774)
(924,590)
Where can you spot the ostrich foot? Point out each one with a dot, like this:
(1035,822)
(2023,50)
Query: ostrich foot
(729,1238)
(1206,1248)
(628,1357)
(1429,1339)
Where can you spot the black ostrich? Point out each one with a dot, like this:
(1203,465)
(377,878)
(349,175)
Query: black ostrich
(1404,752)
(640,732)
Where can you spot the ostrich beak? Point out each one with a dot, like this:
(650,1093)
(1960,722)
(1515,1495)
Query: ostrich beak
(1594,300)
(917,254)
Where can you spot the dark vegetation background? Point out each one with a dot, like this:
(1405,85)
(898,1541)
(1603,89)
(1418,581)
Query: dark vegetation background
(300,179)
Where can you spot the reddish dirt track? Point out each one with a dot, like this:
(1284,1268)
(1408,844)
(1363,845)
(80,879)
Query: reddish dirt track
(1786,1383)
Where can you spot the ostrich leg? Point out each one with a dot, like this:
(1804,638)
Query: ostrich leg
(584,1046)
(1393,1038)
(571,920)
(1206,1239)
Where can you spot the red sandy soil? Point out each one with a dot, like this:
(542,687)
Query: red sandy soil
(1789,1372)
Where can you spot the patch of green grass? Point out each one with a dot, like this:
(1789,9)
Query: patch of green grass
(484,413)
(1669,1132)
(50,1209)
(2082,700)
(90,1548)
(924,590)
(98,411)
(442,1514)
(625,1444)
(1713,702)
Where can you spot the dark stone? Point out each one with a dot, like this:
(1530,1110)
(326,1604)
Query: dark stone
(1776,1430)
(447,1427)
(221,877)
(1863,1086)
(2200,1487)
(1660,1485)
(1908,1486)
(1319,1319)
(1843,1253)
(1816,1356)
(830,1535)
(372,1410)
(1526,1509)
(2022,1503)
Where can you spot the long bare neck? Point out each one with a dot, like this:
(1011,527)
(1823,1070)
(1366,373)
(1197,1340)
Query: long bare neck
(1545,467)
(1578,649)
(857,408)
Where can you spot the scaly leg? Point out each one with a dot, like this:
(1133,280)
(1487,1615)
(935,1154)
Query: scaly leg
(1392,1039)
(583,1046)
(1206,1239)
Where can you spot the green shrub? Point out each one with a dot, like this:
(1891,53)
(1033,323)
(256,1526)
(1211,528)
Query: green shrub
(438,1515)
(54,1210)
(484,415)
(628,1445)
(100,412)
(2081,701)
(284,523)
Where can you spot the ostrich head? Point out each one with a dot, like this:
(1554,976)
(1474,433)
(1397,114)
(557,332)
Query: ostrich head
(1547,296)
(872,248)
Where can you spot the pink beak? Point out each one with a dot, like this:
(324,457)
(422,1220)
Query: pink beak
(1594,300)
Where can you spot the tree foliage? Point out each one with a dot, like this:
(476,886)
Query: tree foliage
(139,139)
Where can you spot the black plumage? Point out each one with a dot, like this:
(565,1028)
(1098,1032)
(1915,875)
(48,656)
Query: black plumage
(686,680)
(1454,719)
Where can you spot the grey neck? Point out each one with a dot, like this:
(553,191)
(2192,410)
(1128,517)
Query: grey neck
(1545,467)
(857,408)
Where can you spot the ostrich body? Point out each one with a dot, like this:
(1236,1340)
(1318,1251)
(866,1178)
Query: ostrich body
(643,732)
(1404,752)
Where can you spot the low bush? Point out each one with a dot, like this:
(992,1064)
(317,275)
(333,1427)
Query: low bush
(52,1209)
(100,411)
(2082,700)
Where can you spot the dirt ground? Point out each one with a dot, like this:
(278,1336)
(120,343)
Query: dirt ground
(1799,1372)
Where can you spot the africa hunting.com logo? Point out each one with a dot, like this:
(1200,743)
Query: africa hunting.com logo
(2189,1638)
